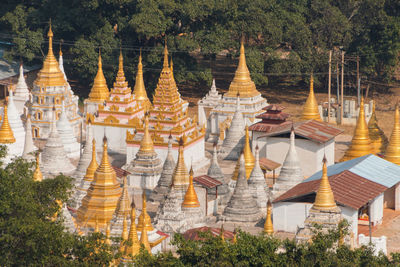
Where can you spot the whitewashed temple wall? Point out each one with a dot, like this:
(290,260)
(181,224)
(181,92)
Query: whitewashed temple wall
(116,137)
(376,209)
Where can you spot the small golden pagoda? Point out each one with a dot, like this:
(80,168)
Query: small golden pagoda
(249,159)
(144,220)
(242,83)
(93,165)
(222,233)
(37,174)
(132,249)
(180,177)
(102,196)
(376,135)
(360,144)
(268,226)
(99,91)
(108,240)
(144,240)
(6,133)
(146,144)
(139,91)
(190,200)
(324,199)
(310,109)
(392,152)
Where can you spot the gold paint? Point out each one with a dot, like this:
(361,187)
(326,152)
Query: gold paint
(360,144)
(310,109)
(249,159)
(93,165)
(146,145)
(242,82)
(376,135)
(144,221)
(37,174)
(6,133)
(124,202)
(392,153)
(268,226)
(324,200)
(99,91)
(222,233)
(103,194)
(139,90)
(50,74)
(124,235)
(144,240)
(133,248)
(180,177)
(108,241)
(191,200)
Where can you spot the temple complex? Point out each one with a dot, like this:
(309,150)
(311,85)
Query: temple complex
(21,92)
(291,173)
(71,145)
(49,89)
(392,152)
(324,211)
(146,168)
(360,144)
(310,109)
(257,185)
(122,212)
(251,101)
(169,116)
(100,202)
(120,110)
(14,119)
(376,135)
(29,147)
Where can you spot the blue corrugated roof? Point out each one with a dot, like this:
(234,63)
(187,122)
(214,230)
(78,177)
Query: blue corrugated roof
(370,167)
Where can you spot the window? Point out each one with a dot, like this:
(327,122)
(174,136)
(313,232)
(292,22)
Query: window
(35,132)
(39,115)
(57,100)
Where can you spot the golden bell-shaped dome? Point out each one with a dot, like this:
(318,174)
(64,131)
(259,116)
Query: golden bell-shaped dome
(376,135)
(190,200)
(310,109)
(50,74)
(146,145)
(360,144)
(392,153)
(37,174)
(324,200)
(180,177)
(268,226)
(249,160)
(6,133)
(139,90)
(242,83)
(93,165)
(99,91)
(133,248)
(144,221)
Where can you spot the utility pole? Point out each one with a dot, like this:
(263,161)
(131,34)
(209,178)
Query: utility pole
(358,80)
(329,86)
(342,85)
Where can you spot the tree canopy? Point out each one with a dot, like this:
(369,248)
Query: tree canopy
(283,37)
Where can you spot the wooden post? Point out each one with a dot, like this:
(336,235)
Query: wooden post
(329,86)
(337,93)
(341,90)
(358,80)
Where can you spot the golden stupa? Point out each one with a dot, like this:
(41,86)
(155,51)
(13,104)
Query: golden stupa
(190,200)
(180,177)
(242,83)
(144,220)
(360,144)
(222,233)
(392,153)
(108,240)
(124,235)
(146,145)
(6,133)
(102,196)
(139,90)
(268,226)
(310,109)
(99,91)
(93,165)
(50,74)
(37,174)
(324,199)
(249,160)
(376,135)
(144,240)
(120,84)
(133,248)
(124,203)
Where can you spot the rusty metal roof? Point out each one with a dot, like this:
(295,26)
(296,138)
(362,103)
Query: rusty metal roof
(120,172)
(268,164)
(193,234)
(266,126)
(316,131)
(348,188)
(274,107)
(280,116)
(207,181)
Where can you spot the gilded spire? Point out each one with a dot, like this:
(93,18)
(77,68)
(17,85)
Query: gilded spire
(190,200)
(50,74)
(248,155)
(146,145)
(392,153)
(360,144)
(180,177)
(105,166)
(93,165)
(144,221)
(144,240)
(268,226)
(134,247)
(165,65)
(376,135)
(99,91)
(124,235)
(124,203)
(108,241)
(324,200)
(121,65)
(139,90)
(37,174)
(242,82)
(222,233)
(310,109)
(234,239)
(6,133)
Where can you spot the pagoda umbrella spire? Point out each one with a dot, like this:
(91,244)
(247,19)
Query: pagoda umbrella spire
(324,200)
(392,153)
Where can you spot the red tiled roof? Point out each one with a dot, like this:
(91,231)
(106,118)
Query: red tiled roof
(313,130)
(268,164)
(348,188)
(120,172)
(193,234)
(207,181)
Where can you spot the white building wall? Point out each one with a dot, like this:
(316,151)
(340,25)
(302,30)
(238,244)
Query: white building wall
(379,243)
(116,137)
(351,215)
(376,210)
(289,216)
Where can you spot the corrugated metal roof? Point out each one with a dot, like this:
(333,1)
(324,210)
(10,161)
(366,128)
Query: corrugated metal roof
(371,167)
(207,181)
(268,164)
(348,188)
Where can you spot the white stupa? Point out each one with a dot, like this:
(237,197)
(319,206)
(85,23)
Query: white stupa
(86,156)
(29,146)
(14,118)
(21,92)
(257,185)
(71,146)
